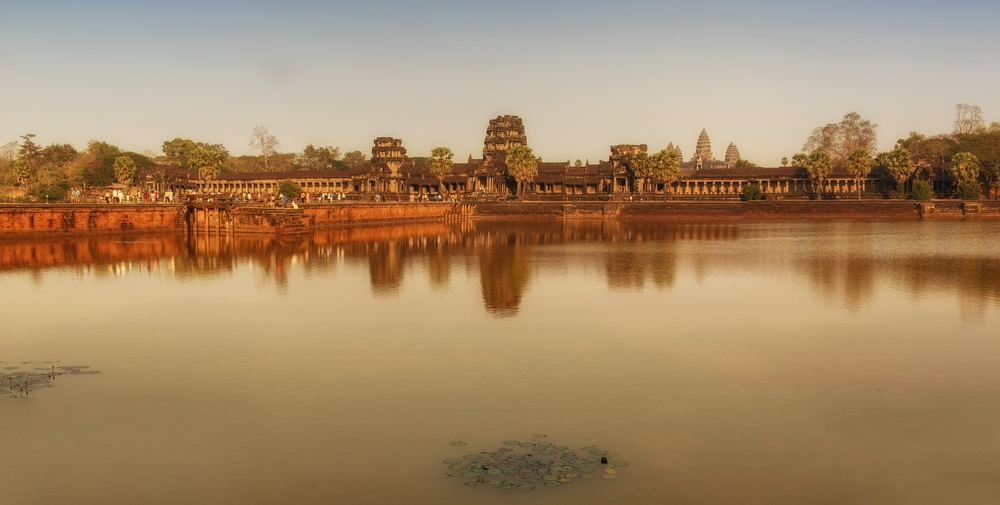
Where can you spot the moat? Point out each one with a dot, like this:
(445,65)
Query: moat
(733,362)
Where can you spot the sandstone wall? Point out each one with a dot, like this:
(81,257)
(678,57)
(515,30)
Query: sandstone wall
(70,219)
(324,216)
(710,211)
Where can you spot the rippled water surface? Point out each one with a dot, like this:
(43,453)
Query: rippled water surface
(785,362)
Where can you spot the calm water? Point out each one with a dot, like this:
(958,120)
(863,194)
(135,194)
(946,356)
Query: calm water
(789,362)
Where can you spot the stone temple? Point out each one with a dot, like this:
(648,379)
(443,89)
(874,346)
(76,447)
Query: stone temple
(732,155)
(703,157)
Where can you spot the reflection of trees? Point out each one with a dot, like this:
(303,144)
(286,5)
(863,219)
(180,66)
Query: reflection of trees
(503,272)
(384,267)
(840,261)
(438,265)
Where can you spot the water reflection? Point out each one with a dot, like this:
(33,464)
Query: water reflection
(844,263)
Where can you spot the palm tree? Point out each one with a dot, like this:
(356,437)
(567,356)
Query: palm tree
(665,165)
(642,168)
(521,165)
(859,163)
(899,164)
(440,164)
(819,166)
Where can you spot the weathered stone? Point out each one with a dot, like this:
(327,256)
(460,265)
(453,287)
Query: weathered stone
(732,155)
(703,151)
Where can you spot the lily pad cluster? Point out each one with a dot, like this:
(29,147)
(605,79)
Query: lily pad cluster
(526,464)
(19,381)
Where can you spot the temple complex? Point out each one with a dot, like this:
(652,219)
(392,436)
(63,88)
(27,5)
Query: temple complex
(392,176)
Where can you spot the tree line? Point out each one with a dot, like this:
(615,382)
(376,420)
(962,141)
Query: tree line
(968,156)
(29,171)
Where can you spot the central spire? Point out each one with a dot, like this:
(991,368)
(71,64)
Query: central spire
(704,148)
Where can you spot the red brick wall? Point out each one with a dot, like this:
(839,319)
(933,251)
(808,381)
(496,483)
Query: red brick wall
(707,211)
(323,216)
(24,220)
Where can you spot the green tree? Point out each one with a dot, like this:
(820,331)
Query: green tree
(742,164)
(29,151)
(819,166)
(125,170)
(642,169)
(922,190)
(991,173)
(58,154)
(51,183)
(986,147)
(965,169)
(752,192)
(859,163)
(440,164)
(784,161)
(96,164)
(666,164)
(522,166)
(899,165)
(354,158)
(289,189)
(20,170)
(318,158)
(207,162)
(179,151)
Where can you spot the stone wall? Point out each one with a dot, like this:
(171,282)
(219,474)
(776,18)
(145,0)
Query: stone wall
(325,216)
(72,219)
(708,211)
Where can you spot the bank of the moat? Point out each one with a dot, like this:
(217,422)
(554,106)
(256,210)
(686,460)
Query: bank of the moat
(75,219)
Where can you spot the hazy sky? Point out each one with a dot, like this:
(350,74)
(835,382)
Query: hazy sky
(583,74)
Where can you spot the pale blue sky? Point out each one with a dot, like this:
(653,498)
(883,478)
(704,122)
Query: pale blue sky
(583,74)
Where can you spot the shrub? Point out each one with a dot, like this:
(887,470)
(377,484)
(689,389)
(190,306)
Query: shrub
(901,190)
(969,190)
(922,190)
(752,192)
(289,189)
(48,192)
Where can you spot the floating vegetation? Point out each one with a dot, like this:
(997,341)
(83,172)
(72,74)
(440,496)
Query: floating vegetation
(20,383)
(523,464)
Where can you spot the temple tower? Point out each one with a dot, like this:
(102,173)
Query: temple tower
(503,134)
(732,155)
(388,155)
(676,149)
(704,148)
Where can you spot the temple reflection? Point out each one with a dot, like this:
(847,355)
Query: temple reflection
(844,264)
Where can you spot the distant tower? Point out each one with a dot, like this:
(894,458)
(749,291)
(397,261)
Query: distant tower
(703,151)
(676,149)
(732,155)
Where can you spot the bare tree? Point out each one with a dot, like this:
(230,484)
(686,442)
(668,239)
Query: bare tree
(266,143)
(840,139)
(8,153)
(968,119)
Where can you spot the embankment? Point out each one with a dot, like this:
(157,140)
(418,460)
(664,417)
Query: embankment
(78,219)
(724,211)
